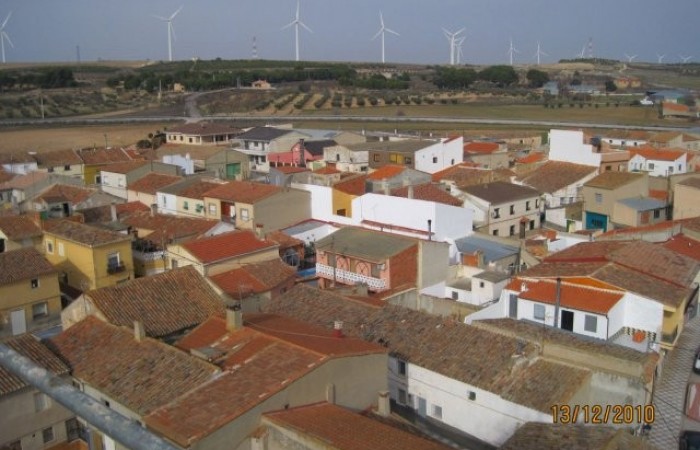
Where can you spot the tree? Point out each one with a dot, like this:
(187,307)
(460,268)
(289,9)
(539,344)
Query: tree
(500,75)
(610,86)
(536,78)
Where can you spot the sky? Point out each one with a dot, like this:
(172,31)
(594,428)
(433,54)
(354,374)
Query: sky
(44,30)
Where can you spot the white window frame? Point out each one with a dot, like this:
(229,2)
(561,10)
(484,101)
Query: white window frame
(245,217)
(586,327)
(40,310)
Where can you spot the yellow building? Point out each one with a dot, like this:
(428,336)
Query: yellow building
(344,192)
(30,298)
(88,257)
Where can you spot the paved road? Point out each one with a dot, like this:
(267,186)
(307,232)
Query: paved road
(670,390)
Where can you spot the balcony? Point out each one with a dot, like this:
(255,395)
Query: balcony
(148,256)
(116,268)
(347,277)
(670,338)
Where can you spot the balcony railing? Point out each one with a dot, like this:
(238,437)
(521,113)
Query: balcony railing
(148,256)
(347,277)
(116,268)
(670,338)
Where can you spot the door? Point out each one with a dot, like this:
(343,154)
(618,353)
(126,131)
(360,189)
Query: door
(567,320)
(19,322)
(232,169)
(422,407)
(513,307)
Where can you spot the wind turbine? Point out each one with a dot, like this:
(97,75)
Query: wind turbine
(452,39)
(539,53)
(4,36)
(685,59)
(630,58)
(459,51)
(511,51)
(660,58)
(296,23)
(171,30)
(383,30)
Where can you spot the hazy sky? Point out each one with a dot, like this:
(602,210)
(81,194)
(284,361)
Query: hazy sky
(44,30)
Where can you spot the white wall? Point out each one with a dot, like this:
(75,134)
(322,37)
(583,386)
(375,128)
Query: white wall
(491,291)
(322,203)
(526,311)
(657,168)
(564,241)
(445,154)
(113,183)
(568,146)
(167,203)
(636,312)
(185,162)
(488,417)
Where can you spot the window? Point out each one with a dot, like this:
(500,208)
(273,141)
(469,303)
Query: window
(591,323)
(608,168)
(527,205)
(337,157)
(651,166)
(538,312)
(537,203)
(66,167)
(49,247)
(402,368)
(471,395)
(186,206)
(408,160)
(376,157)
(376,270)
(670,170)
(40,310)
(496,213)
(61,249)
(598,198)
(532,224)
(657,213)
(481,284)
(455,295)
(434,159)
(50,170)
(47,434)
(495,232)
(402,397)
(511,230)
(41,402)
(244,215)
(34,283)
(437,411)
(512,209)
(173,264)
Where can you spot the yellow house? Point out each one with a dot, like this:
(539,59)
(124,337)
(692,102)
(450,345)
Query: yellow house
(95,159)
(30,298)
(345,192)
(88,257)
(19,232)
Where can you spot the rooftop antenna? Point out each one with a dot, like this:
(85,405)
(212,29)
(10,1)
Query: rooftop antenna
(630,58)
(4,36)
(171,30)
(660,58)
(539,53)
(255,48)
(452,39)
(297,23)
(511,51)
(685,59)
(383,30)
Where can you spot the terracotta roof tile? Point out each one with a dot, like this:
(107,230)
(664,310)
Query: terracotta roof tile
(226,246)
(103,214)
(204,129)
(658,194)
(428,192)
(16,157)
(327,170)
(160,229)
(166,303)
(140,375)
(72,194)
(555,175)
(501,192)
(353,186)
(572,295)
(83,234)
(548,436)
(124,167)
(17,228)
(341,429)
(657,154)
(23,264)
(198,190)
(58,158)
(99,156)
(684,245)
(613,180)
(283,239)
(29,346)
(243,191)
(25,181)
(481,147)
(290,169)
(254,278)
(386,172)
(657,261)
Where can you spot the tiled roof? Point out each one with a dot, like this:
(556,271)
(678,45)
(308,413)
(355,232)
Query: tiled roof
(16,158)
(25,181)
(58,158)
(572,295)
(386,172)
(254,278)
(98,156)
(263,134)
(197,190)
(72,194)
(596,251)
(555,175)
(166,303)
(283,239)
(467,174)
(481,147)
(243,191)
(124,167)
(23,264)
(327,170)
(352,186)
(555,436)
(659,194)
(226,246)
(17,228)
(103,214)
(428,192)
(140,375)
(5,176)
(316,147)
(289,169)
(657,261)
(203,129)
(83,234)
(29,346)
(501,192)
(656,154)
(613,180)
(531,158)
(337,428)
(374,246)
(684,245)
(455,350)
(665,136)
(164,227)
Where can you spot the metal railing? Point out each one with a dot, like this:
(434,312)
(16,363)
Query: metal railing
(347,277)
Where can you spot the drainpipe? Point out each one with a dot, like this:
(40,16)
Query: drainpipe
(557,302)
(126,431)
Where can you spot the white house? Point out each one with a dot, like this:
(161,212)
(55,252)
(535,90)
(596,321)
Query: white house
(186,163)
(440,156)
(569,146)
(347,158)
(658,162)
(559,182)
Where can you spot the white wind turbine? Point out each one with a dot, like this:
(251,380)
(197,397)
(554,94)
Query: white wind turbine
(383,30)
(539,53)
(452,39)
(512,50)
(4,36)
(630,58)
(297,23)
(685,59)
(171,30)
(660,58)
(458,43)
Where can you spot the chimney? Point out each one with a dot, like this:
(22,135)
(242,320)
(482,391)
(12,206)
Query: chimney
(430,230)
(154,209)
(113,211)
(557,302)
(338,329)
(139,331)
(234,318)
(410,191)
(384,404)
(259,231)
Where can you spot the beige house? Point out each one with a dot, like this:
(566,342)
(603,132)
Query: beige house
(253,206)
(201,133)
(223,252)
(144,189)
(602,192)
(30,299)
(63,162)
(116,178)
(685,199)
(19,232)
(639,211)
(30,418)
(88,257)
(186,198)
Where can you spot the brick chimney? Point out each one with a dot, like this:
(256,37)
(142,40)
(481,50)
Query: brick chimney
(384,404)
